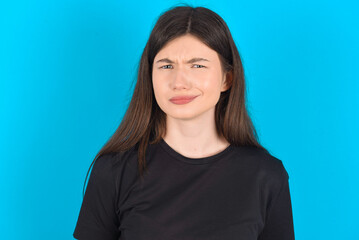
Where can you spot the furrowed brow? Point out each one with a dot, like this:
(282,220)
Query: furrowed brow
(198,59)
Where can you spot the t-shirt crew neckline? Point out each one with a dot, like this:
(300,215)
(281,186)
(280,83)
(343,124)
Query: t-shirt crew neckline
(203,160)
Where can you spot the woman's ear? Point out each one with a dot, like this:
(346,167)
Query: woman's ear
(227,81)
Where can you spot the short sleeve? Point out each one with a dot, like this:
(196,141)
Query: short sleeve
(279,221)
(97,219)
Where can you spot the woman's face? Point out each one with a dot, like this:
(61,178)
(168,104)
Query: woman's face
(177,72)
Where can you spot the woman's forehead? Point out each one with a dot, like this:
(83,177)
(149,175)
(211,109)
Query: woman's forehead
(185,49)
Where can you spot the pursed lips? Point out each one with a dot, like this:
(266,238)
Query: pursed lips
(189,97)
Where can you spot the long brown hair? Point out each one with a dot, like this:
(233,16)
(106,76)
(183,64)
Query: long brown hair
(145,123)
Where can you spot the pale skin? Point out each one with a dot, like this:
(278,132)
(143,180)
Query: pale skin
(190,128)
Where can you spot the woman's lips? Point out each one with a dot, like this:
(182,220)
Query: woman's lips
(182,99)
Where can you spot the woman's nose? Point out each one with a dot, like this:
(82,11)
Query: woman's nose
(180,79)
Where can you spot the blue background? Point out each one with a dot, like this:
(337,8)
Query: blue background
(66,69)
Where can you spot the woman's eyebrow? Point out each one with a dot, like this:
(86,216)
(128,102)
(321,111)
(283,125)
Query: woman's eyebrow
(197,59)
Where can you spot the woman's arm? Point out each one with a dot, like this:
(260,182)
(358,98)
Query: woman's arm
(279,221)
(98,219)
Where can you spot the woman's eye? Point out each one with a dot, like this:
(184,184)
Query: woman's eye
(165,66)
(201,66)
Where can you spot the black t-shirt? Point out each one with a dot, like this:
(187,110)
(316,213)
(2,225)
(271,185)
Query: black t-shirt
(241,193)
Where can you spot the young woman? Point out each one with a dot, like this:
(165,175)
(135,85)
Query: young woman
(185,163)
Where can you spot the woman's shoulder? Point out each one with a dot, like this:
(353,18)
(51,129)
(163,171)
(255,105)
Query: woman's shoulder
(263,161)
(115,162)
